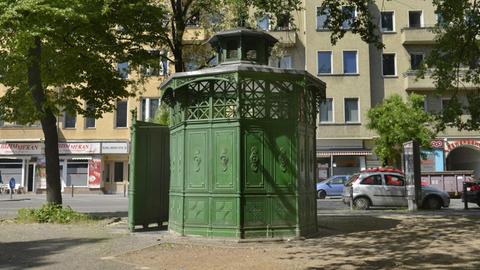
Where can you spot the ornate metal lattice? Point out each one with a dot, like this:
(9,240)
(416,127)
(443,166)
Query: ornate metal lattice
(224,103)
(253,98)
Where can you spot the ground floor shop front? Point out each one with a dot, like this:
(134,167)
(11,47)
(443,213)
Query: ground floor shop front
(345,157)
(85,167)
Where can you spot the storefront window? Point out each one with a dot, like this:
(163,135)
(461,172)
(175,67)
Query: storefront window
(118,174)
(77,173)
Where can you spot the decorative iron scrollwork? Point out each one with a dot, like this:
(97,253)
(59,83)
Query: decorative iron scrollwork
(224,160)
(254,159)
(196,161)
(282,159)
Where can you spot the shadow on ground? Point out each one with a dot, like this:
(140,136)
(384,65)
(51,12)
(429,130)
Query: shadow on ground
(413,242)
(29,254)
(106,215)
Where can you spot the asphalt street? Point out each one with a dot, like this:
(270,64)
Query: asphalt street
(110,205)
(117,205)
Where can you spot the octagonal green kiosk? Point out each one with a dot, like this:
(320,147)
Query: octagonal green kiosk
(242,144)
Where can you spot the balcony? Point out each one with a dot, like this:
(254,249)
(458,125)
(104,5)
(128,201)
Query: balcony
(418,36)
(285,37)
(412,83)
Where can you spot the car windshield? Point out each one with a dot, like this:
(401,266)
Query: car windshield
(351,180)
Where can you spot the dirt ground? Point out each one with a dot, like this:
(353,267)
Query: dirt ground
(387,241)
(362,242)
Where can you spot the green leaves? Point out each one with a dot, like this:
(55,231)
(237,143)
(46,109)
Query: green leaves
(81,43)
(397,122)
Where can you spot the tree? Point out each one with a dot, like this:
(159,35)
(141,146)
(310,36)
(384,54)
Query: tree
(453,62)
(396,122)
(61,55)
(215,15)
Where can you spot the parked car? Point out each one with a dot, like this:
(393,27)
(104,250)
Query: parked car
(473,192)
(333,186)
(386,187)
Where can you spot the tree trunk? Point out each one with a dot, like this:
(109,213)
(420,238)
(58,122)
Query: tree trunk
(49,124)
(177,38)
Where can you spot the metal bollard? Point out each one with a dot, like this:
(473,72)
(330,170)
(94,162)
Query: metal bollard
(72,187)
(351,197)
(465,200)
(125,190)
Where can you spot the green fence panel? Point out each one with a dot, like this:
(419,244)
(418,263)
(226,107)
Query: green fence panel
(149,175)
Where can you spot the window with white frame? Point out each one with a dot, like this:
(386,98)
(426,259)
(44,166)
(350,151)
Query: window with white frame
(69,120)
(263,23)
(416,60)
(324,59)
(388,64)
(121,114)
(351,110)
(122,69)
(321,19)
(445,102)
(387,21)
(149,108)
(415,19)
(326,111)
(350,14)
(350,62)
(90,121)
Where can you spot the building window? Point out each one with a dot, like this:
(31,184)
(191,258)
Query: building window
(351,110)
(388,64)
(415,19)
(350,62)
(321,19)
(122,69)
(90,121)
(121,114)
(118,172)
(149,108)
(77,173)
(325,62)
(387,21)
(350,14)
(416,60)
(156,65)
(69,120)
(286,61)
(326,111)
(263,23)
(445,102)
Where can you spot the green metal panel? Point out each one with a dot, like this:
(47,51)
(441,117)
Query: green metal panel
(243,151)
(149,175)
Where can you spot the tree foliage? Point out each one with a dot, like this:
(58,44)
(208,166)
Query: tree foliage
(213,16)
(61,55)
(396,122)
(453,62)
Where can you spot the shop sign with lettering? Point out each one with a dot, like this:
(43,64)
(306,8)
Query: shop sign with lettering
(20,148)
(79,148)
(114,148)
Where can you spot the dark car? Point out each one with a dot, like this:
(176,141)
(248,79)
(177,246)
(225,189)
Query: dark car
(473,192)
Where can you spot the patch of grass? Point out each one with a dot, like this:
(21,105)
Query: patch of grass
(51,213)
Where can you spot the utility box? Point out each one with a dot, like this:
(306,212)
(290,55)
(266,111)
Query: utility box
(243,144)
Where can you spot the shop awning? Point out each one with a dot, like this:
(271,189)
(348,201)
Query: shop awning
(328,153)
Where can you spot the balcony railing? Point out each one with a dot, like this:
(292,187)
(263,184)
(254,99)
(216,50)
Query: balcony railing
(285,36)
(412,83)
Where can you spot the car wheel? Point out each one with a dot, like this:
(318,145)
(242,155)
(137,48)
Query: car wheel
(361,203)
(433,203)
(321,194)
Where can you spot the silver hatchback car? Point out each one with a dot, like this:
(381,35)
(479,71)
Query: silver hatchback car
(387,188)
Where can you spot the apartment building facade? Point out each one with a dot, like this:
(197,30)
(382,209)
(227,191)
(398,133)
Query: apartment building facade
(94,153)
(360,76)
